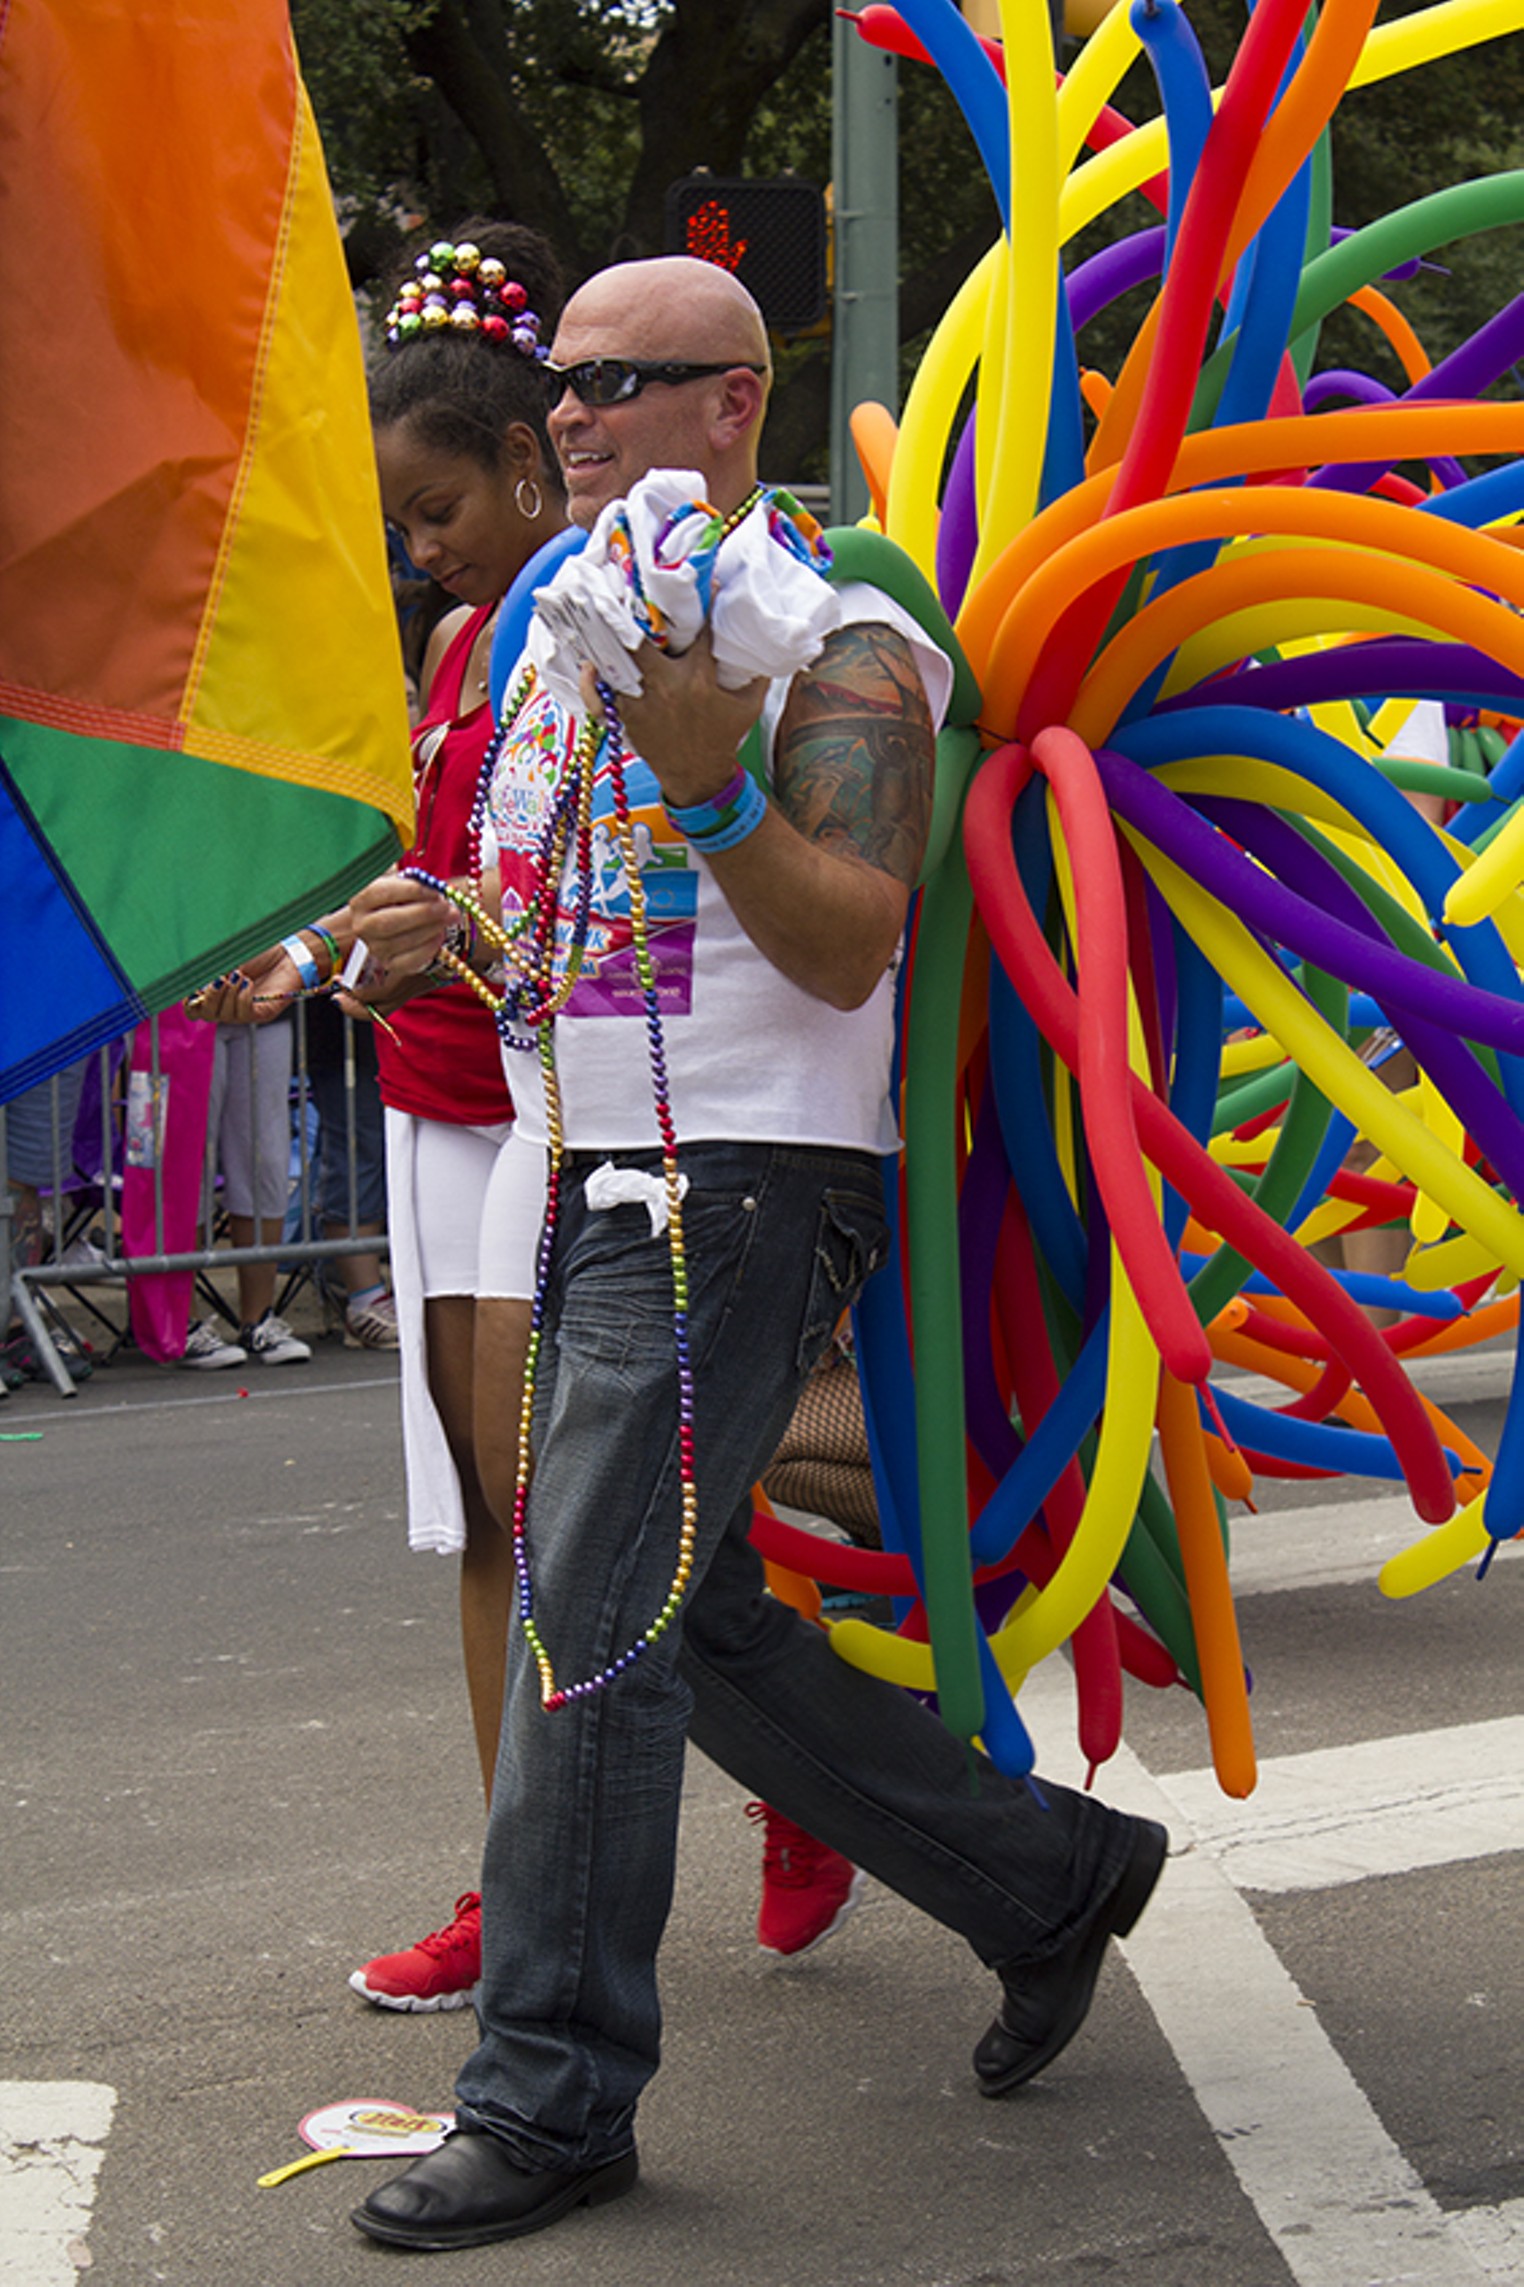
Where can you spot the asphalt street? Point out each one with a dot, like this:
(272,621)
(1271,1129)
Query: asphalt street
(236,1763)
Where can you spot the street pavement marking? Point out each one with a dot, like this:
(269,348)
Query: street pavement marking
(1327,1546)
(51,2139)
(1496,2238)
(1343,2205)
(1378,1806)
(1455,1377)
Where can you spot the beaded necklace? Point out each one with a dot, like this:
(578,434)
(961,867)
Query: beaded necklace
(537,985)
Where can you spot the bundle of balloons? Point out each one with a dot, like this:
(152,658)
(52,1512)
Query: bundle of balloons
(1178,885)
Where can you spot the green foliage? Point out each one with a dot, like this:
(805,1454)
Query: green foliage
(572,115)
(372,108)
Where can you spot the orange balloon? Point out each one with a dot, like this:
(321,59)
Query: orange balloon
(875,434)
(1406,591)
(1224,1687)
(1383,533)
(1248,448)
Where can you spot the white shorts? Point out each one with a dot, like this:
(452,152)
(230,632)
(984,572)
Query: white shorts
(464,1212)
(451,1168)
(465,1205)
(512,1214)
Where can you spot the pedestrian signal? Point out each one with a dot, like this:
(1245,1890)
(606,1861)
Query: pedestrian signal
(770,234)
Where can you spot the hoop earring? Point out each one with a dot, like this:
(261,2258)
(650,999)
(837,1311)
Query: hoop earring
(526,485)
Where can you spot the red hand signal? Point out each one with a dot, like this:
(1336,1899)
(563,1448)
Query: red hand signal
(709,238)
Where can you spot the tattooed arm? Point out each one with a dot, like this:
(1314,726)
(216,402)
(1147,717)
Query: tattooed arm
(823,885)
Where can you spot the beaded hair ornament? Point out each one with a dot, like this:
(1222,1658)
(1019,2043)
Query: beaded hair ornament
(468,292)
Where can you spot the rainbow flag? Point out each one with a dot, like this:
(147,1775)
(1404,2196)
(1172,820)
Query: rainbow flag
(203,731)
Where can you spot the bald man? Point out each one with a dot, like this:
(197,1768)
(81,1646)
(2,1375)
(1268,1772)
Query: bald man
(775,926)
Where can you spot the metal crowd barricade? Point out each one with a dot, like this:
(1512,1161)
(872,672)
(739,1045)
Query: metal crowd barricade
(83,1194)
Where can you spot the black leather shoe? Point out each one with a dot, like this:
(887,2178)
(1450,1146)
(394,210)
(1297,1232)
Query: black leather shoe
(1046,2002)
(470,2191)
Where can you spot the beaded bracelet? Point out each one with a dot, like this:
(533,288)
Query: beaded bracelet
(301,960)
(725,819)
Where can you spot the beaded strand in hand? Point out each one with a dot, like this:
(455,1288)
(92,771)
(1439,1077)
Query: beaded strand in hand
(540,990)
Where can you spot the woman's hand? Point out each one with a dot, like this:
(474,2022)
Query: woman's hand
(258,992)
(403,925)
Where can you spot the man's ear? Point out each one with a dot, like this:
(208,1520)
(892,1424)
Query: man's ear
(742,402)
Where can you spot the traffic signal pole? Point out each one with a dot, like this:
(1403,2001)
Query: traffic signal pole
(865,335)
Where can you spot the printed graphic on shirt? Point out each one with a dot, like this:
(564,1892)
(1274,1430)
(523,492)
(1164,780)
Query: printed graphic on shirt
(530,770)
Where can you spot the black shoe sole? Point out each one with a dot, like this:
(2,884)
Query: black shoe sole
(1115,1918)
(590,2191)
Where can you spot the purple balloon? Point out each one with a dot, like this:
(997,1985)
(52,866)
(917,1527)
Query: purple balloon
(1466,372)
(1105,276)
(1301,921)
(1339,382)
(1392,666)
(958,531)
(1452,1066)
(1307,928)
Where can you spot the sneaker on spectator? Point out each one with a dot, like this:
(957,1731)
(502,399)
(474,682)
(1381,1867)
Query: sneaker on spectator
(808,1889)
(85,1254)
(206,1349)
(440,1972)
(272,1343)
(371,1325)
(20,1360)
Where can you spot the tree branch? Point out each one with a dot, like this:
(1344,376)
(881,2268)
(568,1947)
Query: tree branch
(466,52)
(705,76)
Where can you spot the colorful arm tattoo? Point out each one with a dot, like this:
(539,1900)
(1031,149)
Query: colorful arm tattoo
(854,752)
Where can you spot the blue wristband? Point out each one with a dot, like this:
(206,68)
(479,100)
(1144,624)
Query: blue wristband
(302,961)
(715,812)
(729,818)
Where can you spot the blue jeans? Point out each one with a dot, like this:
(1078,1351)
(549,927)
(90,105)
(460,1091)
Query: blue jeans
(581,1840)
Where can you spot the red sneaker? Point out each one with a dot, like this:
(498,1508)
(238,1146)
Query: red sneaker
(808,1890)
(440,1972)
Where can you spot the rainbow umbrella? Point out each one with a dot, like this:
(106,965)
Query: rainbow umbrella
(203,737)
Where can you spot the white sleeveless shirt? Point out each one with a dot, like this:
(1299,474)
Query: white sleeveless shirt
(749,1055)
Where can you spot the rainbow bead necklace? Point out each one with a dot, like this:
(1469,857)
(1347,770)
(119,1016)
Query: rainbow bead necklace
(536,990)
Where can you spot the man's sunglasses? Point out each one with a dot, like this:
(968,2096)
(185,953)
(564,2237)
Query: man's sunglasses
(615,380)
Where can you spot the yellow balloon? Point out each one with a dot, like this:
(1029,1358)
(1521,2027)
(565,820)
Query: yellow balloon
(1431,1269)
(1490,878)
(878,1653)
(1092,78)
(1255,781)
(1015,388)
(930,410)
(1460,1541)
(1263,986)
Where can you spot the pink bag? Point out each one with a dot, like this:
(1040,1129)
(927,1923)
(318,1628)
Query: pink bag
(166,1128)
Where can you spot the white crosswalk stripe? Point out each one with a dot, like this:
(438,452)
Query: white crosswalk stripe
(52,2138)
(1343,2205)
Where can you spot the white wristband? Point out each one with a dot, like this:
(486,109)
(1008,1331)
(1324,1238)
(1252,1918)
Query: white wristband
(305,966)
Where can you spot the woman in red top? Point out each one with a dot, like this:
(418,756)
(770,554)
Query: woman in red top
(470,485)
